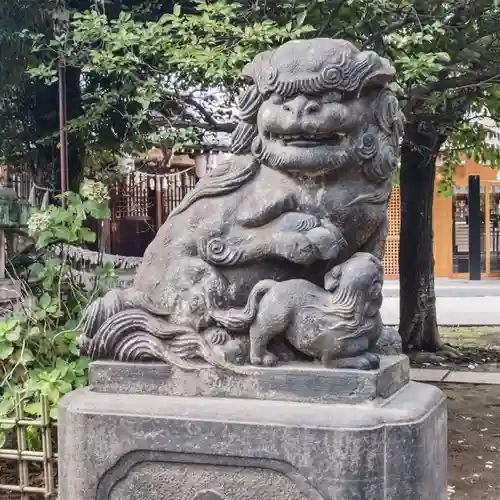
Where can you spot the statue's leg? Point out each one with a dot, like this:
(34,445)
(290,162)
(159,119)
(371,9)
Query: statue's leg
(271,321)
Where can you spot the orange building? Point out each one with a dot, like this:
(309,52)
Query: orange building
(451,226)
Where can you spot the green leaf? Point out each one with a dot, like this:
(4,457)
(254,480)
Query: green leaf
(33,408)
(64,233)
(14,335)
(6,350)
(34,331)
(54,413)
(301,17)
(63,387)
(37,270)
(81,364)
(6,405)
(87,235)
(44,301)
(45,239)
(62,366)
(177,10)
(27,356)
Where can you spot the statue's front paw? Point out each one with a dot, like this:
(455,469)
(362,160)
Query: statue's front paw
(298,249)
(328,243)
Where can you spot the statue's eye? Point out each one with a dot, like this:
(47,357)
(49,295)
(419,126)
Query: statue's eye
(331,97)
(276,99)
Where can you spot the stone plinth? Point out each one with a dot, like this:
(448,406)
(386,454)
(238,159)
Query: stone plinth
(305,382)
(279,434)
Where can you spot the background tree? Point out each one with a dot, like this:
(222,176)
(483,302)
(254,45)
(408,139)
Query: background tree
(172,77)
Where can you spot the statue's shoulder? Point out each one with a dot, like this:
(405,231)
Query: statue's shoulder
(227,177)
(228,165)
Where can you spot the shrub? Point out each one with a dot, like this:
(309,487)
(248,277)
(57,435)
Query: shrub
(38,345)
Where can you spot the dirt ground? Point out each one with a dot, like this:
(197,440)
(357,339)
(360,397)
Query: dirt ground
(479,349)
(473,441)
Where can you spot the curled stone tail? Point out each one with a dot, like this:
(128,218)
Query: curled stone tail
(133,335)
(96,314)
(240,319)
(103,308)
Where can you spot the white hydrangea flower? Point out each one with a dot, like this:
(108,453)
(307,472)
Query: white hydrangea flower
(38,222)
(94,191)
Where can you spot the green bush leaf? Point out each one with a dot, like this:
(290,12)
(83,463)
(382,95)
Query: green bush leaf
(34,331)
(44,301)
(64,233)
(6,350)
(87,235)
(27,356)
(33,408)
(301,17)
(13,335)
(37,270)
(63,386)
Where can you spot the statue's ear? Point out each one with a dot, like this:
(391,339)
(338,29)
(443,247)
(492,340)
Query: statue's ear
(254,71)
(332,278)
(382,71)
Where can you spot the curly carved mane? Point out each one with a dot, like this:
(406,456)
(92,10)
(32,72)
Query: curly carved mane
(348,294)
(361,75)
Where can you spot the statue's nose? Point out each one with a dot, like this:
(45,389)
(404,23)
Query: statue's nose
(301,105)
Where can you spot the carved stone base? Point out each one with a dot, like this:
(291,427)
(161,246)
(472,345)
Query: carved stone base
(120,446)
(306,382)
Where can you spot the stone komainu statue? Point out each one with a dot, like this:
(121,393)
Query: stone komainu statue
(276,254)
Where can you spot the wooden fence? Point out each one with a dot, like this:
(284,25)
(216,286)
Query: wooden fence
(27,473)
(140,204)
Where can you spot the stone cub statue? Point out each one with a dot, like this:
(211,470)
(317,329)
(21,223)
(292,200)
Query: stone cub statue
(339,324)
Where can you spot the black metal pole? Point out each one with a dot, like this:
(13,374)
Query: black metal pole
(63,137)
(474,227)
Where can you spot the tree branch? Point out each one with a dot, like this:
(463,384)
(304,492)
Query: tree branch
(332,13)
(203,112)
(458,83)
(218,127)
(467,81)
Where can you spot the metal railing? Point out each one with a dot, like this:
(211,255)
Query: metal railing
(21,456)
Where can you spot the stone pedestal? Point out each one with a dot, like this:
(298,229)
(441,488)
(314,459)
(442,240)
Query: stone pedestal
(153,432)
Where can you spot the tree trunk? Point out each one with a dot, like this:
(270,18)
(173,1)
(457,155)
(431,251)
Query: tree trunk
(76,147)
(418,323)
(46,115)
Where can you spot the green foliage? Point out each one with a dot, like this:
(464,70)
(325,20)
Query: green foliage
(162,68)
(38,346)
(154,77)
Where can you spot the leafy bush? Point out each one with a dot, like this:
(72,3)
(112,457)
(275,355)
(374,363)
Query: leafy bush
(38,346)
